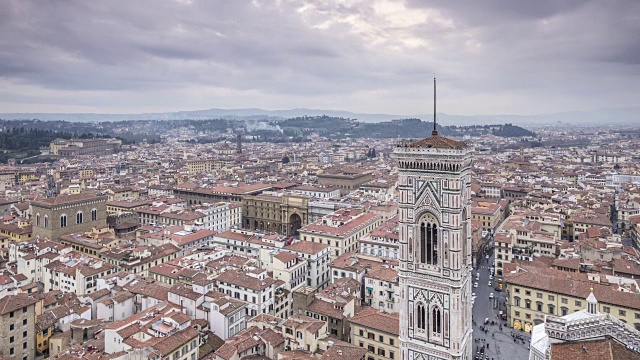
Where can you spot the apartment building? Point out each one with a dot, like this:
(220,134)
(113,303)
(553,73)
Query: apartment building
(183,237)
(251,285)
(503,250)
(523,236)
(126,206)
(580,223)
(626,209)
(226,315)
(217,216)
(303,333)
(16,230)
(489,214)
(317,258)
(327,192)
(17,327)
(117,307)
(289,268)
(383,241)
(73,272)
(535,292)
(377,332)
(355,266)
(335,305)
(341,230)
(161,332)
(91,243)
(381,290)
(248,242)
(251,343)
(140,259)
(32,256)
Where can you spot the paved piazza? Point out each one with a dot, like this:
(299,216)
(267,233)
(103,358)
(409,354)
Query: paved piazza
(498,344)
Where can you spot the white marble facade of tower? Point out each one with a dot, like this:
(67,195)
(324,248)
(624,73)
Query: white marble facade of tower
(435,248)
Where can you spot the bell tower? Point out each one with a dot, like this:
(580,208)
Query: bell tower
(435,247)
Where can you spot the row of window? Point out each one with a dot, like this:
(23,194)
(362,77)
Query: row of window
(381,351)
(63,218)
(372,336)
(551,308)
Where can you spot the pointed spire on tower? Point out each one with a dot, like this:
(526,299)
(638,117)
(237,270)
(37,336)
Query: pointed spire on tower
(435,130)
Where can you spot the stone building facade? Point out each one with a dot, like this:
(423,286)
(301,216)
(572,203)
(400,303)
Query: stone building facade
(281,213)
(17,327)
(346,179)
(68,214)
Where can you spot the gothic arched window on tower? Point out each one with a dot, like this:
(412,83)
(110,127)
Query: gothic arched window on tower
(429,242)
(436,321)
(421,317)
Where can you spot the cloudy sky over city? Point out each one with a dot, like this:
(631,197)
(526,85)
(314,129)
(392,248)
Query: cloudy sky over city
(374,56)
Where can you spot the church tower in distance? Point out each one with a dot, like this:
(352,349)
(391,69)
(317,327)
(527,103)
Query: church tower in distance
(435,248)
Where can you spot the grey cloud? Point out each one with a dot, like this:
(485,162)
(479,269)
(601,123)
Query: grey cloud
(331,52)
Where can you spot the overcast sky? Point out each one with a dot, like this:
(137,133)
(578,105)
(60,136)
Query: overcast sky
(490,56)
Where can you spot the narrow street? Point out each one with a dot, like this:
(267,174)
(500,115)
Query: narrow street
(497,341)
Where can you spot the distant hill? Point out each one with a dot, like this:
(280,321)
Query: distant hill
(614,116)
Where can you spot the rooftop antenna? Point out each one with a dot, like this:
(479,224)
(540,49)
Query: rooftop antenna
(435,131)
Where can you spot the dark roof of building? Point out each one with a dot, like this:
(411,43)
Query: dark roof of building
(11,303)
(439,142)
(375,319)
(596,349)
(68,199)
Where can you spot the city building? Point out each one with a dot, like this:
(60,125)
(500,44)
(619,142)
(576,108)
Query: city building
(75,272)
(317,256)
(347,179)
(334,305)
(279,212)
(75,147)
(381,290)
(68,214)
(17,327)
(535,292)
(383,241)
(586,334)
(489,214)
(377,332)
(251,285)
(317,192)
(341,230)
(161,332)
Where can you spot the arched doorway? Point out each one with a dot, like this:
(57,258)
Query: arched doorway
(295,223)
